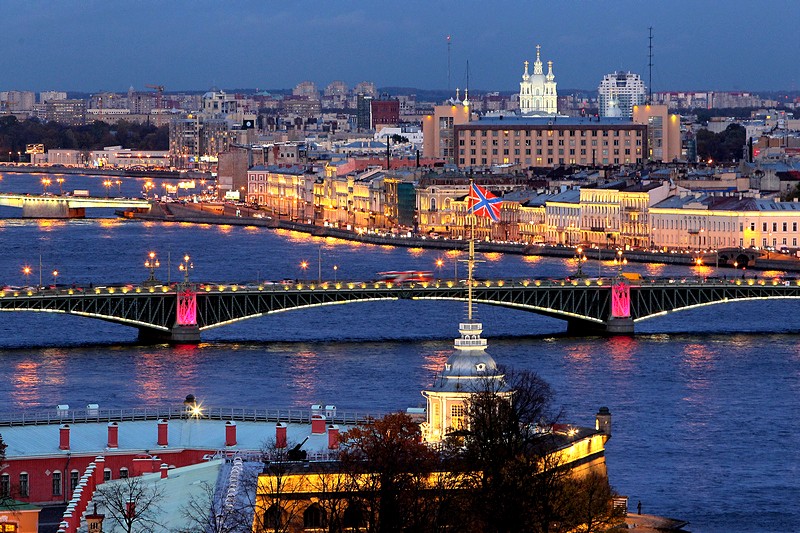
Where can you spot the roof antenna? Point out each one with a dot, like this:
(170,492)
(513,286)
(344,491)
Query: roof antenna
(448,64)
(466,91)
(650,67)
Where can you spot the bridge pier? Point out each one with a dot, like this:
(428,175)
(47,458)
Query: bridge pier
(177,335)
(51,208)
(611,327)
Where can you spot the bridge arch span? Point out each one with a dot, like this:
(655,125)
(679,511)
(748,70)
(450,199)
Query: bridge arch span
(710,303)
(96,316)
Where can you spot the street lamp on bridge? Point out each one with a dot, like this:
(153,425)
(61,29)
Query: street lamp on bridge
(185,267)
(107,184)
(580,258)
(620,262)
(60,182)
(26,271)
(152,263)
(45,184)
(55,278)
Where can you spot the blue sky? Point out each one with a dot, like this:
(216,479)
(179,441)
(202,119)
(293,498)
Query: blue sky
(93,45)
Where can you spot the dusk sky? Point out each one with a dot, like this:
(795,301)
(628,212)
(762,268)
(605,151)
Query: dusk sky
(195,45)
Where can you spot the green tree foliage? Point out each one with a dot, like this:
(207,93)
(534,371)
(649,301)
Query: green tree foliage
(726,146)
(15,134)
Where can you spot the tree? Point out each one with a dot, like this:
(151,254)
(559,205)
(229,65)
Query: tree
(388,467)
(275,507)
(210,514)
(131,503)
(513,474)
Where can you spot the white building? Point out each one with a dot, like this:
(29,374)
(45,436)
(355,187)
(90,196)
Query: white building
(619,92)
(537,91)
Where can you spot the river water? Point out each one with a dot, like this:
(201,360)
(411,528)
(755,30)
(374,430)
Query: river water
(705,402)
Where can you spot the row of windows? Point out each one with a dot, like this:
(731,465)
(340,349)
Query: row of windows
(700,224)
(506,142)
(550,161)
(559,133)
(23,488)
(550,151)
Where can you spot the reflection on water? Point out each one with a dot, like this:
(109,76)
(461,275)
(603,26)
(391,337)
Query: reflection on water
(304,376)
(622,350)
(158,374)
(26,382)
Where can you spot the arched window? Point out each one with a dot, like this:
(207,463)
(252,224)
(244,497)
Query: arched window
(313,517)
(5,486)
(123,473)
(56,479)
(354,516)
(433,204)
(274,518)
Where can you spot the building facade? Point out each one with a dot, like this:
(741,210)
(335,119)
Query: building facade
(619,92)
(438,129)
(549,142)
(663,132)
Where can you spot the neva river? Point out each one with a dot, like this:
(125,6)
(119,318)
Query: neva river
(705,402)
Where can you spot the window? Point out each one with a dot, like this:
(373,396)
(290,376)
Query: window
(764,227)
(313,517)
(457,411)
(785,226)
(107,474)
(74,477)
(5,486)
(23,484)
(123,473)
(56,483)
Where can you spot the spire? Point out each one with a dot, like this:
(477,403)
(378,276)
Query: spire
(458,97)
(525,75)
(466,101)
(550,75)
(537,65)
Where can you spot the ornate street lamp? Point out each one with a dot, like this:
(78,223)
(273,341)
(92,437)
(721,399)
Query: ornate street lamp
(580,258)
(185,267)
(152,263)
(60,182)
(620,262)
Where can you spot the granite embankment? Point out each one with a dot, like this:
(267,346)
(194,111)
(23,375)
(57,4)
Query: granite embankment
(243,216)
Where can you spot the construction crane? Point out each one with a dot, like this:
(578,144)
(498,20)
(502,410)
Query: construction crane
(159,93)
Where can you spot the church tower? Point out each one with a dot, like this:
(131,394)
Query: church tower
(537,92)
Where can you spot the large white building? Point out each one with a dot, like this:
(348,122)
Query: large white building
(537,91)
(619,92)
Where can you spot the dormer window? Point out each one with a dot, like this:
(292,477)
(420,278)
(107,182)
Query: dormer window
(447,366)
(480,367)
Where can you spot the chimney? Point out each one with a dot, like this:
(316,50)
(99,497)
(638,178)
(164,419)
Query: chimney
(163,432)
(280,435)
(333,437)
(130,509)
(318,423)
(164,470)
(230,433)
(63,437)
(603,421)
(99,469)
(113,435)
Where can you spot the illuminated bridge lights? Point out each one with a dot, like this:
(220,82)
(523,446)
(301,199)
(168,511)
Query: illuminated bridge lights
(208,288)
(111,290)
(450,284)
(338,286)
(525,282)
(537,283)
(351,285)
(501,283)
(164,289)
(234,288)
(575,282)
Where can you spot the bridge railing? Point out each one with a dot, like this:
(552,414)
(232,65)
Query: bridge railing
(205,287)
(76,416)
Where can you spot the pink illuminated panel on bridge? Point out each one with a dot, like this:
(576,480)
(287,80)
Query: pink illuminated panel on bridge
(187,308)
(621,300)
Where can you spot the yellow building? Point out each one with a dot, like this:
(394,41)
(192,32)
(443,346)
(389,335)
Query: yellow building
(438,129)
(663,132)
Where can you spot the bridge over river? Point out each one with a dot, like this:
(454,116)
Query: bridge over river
(180,312)
(57,206)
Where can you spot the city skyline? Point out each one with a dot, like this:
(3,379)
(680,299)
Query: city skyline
(256,45)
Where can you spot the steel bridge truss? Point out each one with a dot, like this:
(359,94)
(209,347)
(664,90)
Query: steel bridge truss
(586,302)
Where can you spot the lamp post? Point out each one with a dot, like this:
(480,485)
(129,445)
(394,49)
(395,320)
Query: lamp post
(60,182)
(335,273)
(119,187)
(620,261)
(55,278)
(45,184)
(26,271)
(185,267)
(439,265)
(580,258)
(107,184)
(151,263)
(303,268)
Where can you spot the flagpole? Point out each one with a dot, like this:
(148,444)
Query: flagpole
(470,260)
